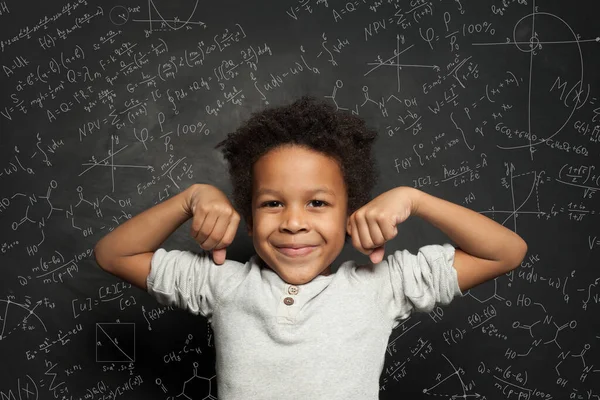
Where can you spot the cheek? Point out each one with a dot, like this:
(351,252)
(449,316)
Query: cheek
(264,229)
(335,229)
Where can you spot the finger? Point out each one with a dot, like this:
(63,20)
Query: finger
(197,221)
(196,229)
(204,237)
(219,251)
(377,255)
(229,235)
(218,232)
(355,237)
(364,233)
(388,230)
(219,255)
(375,223)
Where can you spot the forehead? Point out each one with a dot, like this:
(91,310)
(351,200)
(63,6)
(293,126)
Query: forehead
(296,169)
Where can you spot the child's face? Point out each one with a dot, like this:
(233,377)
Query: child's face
(296,215)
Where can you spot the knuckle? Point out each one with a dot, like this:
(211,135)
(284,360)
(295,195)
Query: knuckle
(376,214)
(224,210)
(203,234)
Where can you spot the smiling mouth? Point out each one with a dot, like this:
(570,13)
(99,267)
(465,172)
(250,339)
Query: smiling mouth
(290,252)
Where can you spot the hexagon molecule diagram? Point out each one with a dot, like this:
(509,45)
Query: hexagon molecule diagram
(199,387)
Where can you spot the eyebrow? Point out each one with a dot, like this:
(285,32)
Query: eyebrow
(322,189)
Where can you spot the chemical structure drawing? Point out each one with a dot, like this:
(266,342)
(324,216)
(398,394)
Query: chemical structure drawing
(195,388)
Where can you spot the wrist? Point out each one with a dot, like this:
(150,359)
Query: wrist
(416,200)
(188,198)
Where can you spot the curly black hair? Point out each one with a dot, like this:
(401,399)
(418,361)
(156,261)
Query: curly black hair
(310,124)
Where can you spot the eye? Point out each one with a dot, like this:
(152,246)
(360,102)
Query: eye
(320,201)
(267,203)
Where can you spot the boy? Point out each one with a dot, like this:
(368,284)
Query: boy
(286,325)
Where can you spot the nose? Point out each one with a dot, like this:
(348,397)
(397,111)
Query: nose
(294,219)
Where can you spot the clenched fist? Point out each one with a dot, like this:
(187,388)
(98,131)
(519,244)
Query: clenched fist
(214,222)
(372,225)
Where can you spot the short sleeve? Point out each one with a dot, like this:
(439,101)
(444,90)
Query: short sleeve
(191,281)
(418,282)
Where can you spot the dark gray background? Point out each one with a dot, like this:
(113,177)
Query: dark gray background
(108,108)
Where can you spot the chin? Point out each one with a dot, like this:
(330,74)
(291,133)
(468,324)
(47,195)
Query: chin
(296,280)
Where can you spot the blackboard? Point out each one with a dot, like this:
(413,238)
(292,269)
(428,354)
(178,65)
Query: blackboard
(108,108)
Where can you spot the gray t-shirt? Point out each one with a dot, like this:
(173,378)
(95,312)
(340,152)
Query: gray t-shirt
(325,339)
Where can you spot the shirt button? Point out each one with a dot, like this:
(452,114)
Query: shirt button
(293,290)
(288,301)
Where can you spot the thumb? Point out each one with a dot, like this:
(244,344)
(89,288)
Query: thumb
(377,255)
(219,255)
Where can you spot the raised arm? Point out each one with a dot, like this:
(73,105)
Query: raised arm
(485,250)
(126,251)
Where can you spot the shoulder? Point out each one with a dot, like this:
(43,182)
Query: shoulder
(200,265)
(162,255)
(428,255)
(362,273)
